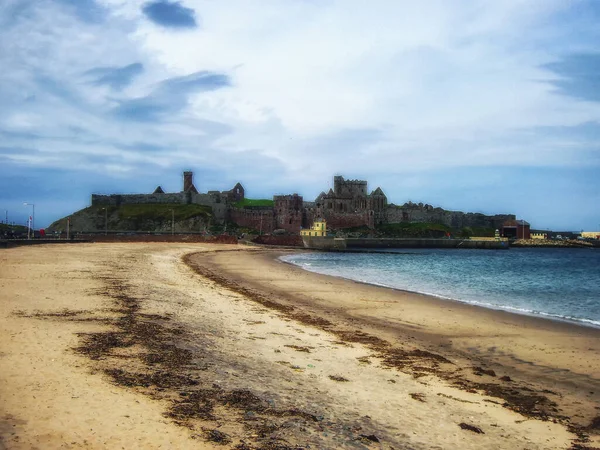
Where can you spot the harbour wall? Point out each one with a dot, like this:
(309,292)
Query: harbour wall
(324,243)
(352,243)
(10,243)
(327,243)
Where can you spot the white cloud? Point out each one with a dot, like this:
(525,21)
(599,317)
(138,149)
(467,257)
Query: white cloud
(348,63)
(426,73)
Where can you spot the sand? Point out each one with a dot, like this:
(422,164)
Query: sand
(126,346)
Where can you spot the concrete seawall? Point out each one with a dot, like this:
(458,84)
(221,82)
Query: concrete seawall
(9,243)
(373,243)
(324,243)
(352,243)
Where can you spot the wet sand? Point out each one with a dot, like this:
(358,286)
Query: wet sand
(125,345)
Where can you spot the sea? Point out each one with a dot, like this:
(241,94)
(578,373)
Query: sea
(556,283)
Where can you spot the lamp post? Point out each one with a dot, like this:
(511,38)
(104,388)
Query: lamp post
(6,216)
(32,219)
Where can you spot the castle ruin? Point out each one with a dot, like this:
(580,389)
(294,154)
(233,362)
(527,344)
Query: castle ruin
(347,205)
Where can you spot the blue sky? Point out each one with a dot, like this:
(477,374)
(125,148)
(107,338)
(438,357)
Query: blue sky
(475,105)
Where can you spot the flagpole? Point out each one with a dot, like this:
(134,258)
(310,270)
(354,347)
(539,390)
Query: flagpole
(30,221)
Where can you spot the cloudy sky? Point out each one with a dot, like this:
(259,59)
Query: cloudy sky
(489,106)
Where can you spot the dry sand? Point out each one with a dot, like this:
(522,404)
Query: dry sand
(126,346)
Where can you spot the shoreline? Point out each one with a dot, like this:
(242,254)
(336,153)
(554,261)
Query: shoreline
(537,320)
(587,323)
(533,320)
(546,355)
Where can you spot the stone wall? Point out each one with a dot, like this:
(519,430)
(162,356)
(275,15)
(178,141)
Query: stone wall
(132,199)
(337,220)
(289,220)
(356,243)
(288,212)
(213,199)
(349,220)
(256,218)
(219,239)
(349,187)
(288,241)
(455,219)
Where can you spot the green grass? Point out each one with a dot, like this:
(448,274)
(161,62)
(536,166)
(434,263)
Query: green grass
(253,202)
(138,217)
(159,212)
(147,216)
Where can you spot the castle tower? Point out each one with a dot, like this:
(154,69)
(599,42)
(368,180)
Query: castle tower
(188,182)
(338,182)
(288,212)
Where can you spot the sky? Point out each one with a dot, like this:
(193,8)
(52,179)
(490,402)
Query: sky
(471,105)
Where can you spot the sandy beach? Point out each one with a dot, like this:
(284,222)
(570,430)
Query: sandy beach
(172,345)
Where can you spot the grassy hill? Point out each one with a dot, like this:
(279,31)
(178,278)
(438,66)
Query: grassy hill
(139,218)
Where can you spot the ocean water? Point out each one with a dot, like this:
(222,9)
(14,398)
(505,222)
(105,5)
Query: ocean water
(562,284)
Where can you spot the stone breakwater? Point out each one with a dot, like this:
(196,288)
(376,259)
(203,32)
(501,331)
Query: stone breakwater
(571,243)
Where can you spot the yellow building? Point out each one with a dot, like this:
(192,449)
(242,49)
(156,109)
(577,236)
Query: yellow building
(319,228)
(590,234)
(538,235)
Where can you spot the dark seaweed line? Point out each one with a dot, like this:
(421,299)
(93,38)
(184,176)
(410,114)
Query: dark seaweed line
(175,374)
